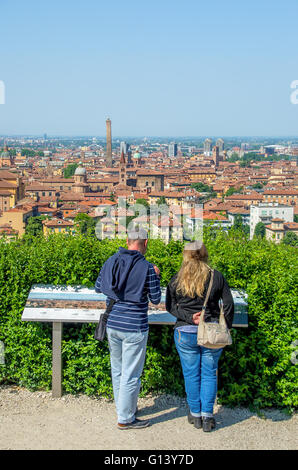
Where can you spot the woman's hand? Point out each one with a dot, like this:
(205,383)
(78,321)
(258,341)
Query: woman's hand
(196,318)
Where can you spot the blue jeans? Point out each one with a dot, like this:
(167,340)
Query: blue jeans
(127,353)
(199,366)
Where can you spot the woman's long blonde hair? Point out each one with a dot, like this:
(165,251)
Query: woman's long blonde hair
(194,271)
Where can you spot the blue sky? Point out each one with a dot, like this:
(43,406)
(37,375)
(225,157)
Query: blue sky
(162,68)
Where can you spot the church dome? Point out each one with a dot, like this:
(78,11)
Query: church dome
(137,155)
(80,171)
(5,154)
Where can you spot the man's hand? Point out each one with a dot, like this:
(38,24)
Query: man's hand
(196,318)
(156,270)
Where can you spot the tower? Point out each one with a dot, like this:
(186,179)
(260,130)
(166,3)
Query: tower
(221,145)
(122,170)
(109,161)
(123,147)
(215,155)
(172,150)
(207,147)
(129,160)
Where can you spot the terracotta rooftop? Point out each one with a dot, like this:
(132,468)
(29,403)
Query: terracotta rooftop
(57,223)
(57,179)
(252,196)
(23,209)
(141,172)
(286,192)
(7,184)
(211,216)
(39,187)
(5,174)
(238,210)
(47,209)
(174,194)
(5,193)
(291,225)
(8,230)
(269,227)
(71,196)
(108,179)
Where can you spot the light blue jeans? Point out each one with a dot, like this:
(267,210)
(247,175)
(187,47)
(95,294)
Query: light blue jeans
(199,366)
(127,353)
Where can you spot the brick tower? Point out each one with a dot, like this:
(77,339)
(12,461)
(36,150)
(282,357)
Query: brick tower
(109,161)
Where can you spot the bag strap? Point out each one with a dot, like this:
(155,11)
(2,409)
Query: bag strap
(110,306)
(208,294)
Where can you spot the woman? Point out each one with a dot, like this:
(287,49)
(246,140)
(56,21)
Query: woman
(184,299)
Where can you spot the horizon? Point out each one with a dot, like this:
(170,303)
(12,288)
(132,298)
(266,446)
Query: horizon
(147,136)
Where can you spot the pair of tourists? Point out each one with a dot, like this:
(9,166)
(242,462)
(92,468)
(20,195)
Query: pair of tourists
(129,281)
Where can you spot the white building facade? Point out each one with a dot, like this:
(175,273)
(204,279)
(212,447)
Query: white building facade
(265,212)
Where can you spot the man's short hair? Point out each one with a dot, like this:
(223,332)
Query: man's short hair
(137,234)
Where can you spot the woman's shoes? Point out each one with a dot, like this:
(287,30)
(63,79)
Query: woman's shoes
(208,424)
(196,421)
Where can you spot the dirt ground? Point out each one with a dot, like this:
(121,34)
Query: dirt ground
(35,420)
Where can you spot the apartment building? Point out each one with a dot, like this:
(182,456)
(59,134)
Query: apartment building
(278,229)
(265,212)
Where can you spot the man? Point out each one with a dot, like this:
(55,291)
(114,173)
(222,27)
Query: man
(128,279)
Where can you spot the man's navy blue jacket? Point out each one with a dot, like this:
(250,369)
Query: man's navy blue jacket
(130,280)
(123,276)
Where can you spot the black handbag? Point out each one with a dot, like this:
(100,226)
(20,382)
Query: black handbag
(100,331)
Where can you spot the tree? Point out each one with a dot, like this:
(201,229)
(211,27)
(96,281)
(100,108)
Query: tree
(69,171)
(296,218)
(28,153)
(84,224)
(290,238)
(125,221)
(233,190)
(143,202)
(260,230)
(34,226)
(244,164)
(161,200)
(238,224)
(234,157)
(257,186)
(202,187)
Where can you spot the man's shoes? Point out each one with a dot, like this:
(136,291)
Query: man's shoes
(196,421)
(136,424)
(208,423)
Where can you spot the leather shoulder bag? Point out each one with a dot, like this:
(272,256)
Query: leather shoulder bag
(100,331)
(213,335)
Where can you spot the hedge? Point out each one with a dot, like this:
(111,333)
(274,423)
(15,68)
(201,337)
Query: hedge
(257,370)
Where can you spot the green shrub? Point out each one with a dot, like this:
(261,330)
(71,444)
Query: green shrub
(255,371)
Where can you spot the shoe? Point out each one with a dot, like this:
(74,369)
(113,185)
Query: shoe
(136,424)
(197,421)
(208,423)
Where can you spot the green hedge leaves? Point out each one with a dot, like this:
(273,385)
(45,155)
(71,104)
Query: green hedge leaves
(256,370)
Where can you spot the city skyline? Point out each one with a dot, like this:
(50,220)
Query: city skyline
(170,69)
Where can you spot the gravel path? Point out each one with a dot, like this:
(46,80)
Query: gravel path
(38,421)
